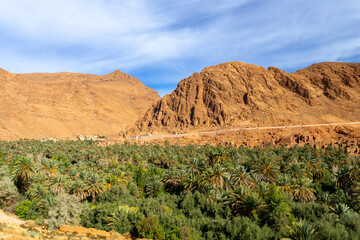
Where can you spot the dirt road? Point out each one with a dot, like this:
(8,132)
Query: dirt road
(8,219)
(150,137)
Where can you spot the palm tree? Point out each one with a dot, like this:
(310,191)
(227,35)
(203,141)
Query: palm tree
(195,166)
(219,173)
(245,202)
(340,209)
(302,230)
(217,156)
(191,183)
(47,202)
(174,178)
(284,182)
(59,184)
(53,166)
(40,178)
(325,197)
(153,186)
(302,192)
(112,180)
(339,197)
(37,191)
(267,169)
(77,189)
(262,189)
(119,216)
(23,168)
(315,169)
(297,170)
(95,186)
(347,176)
(240,176)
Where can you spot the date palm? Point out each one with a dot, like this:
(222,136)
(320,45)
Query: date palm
(172,178)
(119,216)
(195,166)
(285,182)
(94,186)
(219,174)
(112,179)
(246,203)
(297,170)
(22,169)
(347,176)
(267,169)
(302,230)
(301,190)
(340,209)
(40,178)
(59,184)
(37,191)
(153,186)
(240,176)
(78,189)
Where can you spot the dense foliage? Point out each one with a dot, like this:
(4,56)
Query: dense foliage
(190,192)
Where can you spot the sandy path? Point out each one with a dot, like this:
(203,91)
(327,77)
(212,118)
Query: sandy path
(241,129)
(4,218)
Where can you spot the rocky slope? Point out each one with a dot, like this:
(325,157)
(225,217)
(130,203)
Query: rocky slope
(239,94)
(63,105)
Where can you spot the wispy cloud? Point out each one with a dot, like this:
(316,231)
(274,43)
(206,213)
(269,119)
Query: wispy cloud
(162,41)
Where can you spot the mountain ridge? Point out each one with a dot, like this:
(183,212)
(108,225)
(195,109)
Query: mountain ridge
(64,105)
(236,93)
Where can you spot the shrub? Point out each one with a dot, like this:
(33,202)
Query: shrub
(182,233)
(326,230)
(243,228)
(149,227)
(8,192)
(66,211)
(22,208)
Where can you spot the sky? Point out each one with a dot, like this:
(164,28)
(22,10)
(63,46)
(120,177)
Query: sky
(161,42)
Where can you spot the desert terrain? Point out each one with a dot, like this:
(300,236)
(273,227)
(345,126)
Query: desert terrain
(64,105)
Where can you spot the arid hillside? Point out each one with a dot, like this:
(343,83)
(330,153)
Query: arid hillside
(239,94)
(63,105)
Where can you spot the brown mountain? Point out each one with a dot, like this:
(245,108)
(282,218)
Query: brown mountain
(239,94)
(42,105)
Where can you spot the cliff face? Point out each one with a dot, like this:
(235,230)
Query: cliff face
(63,105)
(235,93)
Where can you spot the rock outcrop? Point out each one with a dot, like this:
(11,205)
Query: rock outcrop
(239,94)
(64,105)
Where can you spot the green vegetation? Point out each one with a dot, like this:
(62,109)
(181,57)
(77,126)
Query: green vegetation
(190,192)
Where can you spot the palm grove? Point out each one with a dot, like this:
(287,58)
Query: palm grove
(189,192)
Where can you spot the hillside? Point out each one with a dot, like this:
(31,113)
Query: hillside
(239,94)
(63,105)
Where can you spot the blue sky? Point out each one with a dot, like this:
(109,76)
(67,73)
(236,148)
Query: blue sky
(161,41)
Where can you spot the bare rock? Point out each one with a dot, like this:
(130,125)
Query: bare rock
(238,94)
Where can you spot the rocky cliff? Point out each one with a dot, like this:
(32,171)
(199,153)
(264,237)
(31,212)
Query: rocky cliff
(239,94)
(63,105)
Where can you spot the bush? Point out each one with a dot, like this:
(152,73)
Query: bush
(243,228)
(309,211)
(149,227)
(8,190)
(182,233)
(66,211)
(326,230)
(23,208)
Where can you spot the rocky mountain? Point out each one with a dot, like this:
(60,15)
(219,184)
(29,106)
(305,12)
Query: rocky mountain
(63,105)
(239,94)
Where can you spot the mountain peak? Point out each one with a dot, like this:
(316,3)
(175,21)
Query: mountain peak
(236,93)
(64,105)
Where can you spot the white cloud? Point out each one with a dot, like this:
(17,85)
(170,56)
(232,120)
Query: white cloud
(96,36)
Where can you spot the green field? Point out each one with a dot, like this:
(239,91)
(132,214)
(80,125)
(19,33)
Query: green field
(190,192)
